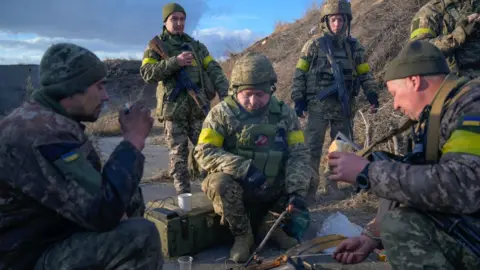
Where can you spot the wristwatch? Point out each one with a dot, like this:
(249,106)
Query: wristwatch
(362,179)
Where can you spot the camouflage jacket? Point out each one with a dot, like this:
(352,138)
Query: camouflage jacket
(223,126)
(204,72)
(313,74)
(52,184)
(453,184)
(443,23)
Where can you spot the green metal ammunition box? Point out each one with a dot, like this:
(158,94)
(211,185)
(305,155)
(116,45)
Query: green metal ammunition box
(190,232)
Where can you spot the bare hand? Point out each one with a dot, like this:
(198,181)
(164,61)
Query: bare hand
(373,109)
(473,17)
(354,250)
(136,125)
(185,59)
(345,167)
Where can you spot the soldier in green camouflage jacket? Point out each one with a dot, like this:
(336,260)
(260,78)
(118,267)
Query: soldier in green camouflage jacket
(442,177)
(454,27)
(253,149)
(181,116)
(314,75)
(59,207)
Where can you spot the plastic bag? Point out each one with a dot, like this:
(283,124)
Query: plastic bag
(339,224)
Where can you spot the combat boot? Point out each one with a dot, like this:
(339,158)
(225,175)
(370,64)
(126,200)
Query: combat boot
(281,238)
(240,251)
(278,236)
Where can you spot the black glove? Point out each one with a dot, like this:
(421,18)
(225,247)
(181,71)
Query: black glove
(300,107)
(297,202)
(254,178)
(373,99)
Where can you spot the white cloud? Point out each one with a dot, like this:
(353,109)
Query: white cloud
(110,28)
(220,41)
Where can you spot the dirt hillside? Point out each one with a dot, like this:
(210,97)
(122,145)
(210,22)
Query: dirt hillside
(381,27)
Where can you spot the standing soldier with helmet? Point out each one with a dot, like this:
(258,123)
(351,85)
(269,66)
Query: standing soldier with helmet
(252,147)
(187,78)
(331,67)
(454,27)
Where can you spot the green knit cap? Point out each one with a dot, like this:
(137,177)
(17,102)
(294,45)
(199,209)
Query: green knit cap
(67,69)
(171,8)
(419,57)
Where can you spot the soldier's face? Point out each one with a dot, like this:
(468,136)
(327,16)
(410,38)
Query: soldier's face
(88,105)
(336,23)
(409,96)
(252,99)
(175,23)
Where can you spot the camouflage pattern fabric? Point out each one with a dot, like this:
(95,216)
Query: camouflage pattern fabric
(412,241)
(67,69)
(222,125)
(177,135)
(53,186)
(181,116)
(242,211)
(451,186)
(444,24)
(313,74)
(133,244)
(226,170)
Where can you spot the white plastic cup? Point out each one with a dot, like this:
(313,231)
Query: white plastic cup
(185,201)
(185,262)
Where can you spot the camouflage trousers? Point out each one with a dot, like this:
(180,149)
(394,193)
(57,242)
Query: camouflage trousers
(315,132)
(412,241)
(177,135)
(243,212)
(133,244)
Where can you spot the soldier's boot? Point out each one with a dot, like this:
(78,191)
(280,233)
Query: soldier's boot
(240,251)
(278,236)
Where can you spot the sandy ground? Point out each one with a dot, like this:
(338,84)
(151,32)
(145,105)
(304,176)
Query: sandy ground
(215,258)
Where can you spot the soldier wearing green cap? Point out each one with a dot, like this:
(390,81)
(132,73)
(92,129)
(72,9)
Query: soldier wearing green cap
(181,115)
(314,76)
(252,147)
(59,208)
(437,184)
(454,27)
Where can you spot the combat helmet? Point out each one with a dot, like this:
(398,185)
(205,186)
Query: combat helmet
(253,70)
(336,7)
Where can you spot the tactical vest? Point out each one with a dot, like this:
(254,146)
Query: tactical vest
(173,47)
(265,144)
(344,55)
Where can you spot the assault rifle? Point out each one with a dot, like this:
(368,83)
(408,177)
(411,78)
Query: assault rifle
(339,83)
(182,80)
(457,226)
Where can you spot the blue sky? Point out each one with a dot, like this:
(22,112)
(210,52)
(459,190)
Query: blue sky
(121,28)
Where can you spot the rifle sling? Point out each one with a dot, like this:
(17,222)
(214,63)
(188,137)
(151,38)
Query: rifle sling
(438,104)
(434,117)
(406,125)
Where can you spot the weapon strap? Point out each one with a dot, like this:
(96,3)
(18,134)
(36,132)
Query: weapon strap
(433,125)
(406,125)
(450,83)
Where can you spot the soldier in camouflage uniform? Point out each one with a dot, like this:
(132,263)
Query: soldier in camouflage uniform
(58,208)
(454,27)
(314,75)
(444,178)
(182,117)
(253,149)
